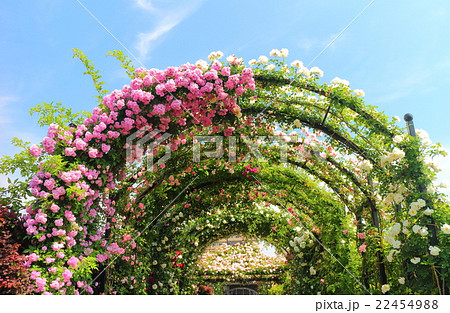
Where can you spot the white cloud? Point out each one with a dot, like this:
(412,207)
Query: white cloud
(167,17)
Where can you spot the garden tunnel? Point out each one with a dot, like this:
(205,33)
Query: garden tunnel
(140,177)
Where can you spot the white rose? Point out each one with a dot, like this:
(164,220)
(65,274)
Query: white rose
(304,71)
(416,228)
(275,52)
(423,231)
(155,262)
(421,203)
(163,265)
(412,212)
(155,286)
(397,139)
(270,67)
(445,229)
(366,166)
(263,60)
(405,231)
(401,280)
(434,250)
(385,288)
(297,63)
(428,211)
(312,271)
(415,260)
(201,64)
(359,93)
(231,58)
(284,53)
(396,244)
(398,198)
(317,71)
(252,62)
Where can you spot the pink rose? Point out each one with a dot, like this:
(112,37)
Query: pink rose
(35,151)
(93,153)
(59,222)
(73,262)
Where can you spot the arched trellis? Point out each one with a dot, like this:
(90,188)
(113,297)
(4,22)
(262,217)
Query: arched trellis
(98,223)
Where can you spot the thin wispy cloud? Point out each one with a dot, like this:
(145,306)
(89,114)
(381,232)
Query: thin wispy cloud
(166,17)
(5,102)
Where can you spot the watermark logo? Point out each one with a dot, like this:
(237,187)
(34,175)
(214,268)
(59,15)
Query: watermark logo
(145,144)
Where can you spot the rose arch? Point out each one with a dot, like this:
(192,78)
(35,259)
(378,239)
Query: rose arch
(190,154)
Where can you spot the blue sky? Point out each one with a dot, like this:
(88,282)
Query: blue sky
(398,52)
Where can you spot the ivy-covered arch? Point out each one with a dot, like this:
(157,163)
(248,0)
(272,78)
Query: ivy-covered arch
(343,172)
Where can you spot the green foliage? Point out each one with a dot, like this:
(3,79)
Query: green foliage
(56,113)
(90,70)
(124,61)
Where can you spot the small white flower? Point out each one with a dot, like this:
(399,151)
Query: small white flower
(397,138)
(155,262)
(304,71)
(445,229)
(385,288)
(434,250)
(428,211)
(201,64)
(397,244)
(312,271)
(397,119)
(163,265)
(297,63)
(366,166)
(270,67)
(317,71)
(359,93)
(421,203)
(412,212)
(284,53)
(275,52)
(252,62)
(263,60)
(416,228)
(215,55)
(401,280)
(155,286)
(231,58)
(423,231)
(415,260)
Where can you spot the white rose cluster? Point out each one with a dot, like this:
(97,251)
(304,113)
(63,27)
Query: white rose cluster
(365,166)
(215,55)
(283,53)
(422,231)
(390,237)
(202,64)
(423,135)
(299,243)
(396,154)
(339,82)
(416,206)
(316,71)
(359,93)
